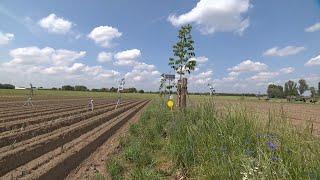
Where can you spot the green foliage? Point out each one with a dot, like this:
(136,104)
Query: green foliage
(98,176)
(303,86)
(290,89)
(319,89)
(145,174)
(115,169)
(67,88)
(200,142)
(80,88)
(183,61)
(275,91)
(6,86)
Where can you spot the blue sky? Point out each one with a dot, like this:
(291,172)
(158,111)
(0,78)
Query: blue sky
(241,45)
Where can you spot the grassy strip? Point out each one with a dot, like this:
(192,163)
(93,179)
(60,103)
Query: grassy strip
(204,144)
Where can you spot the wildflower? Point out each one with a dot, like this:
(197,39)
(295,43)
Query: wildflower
(273,158)
(272,146)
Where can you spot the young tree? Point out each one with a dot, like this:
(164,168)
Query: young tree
(290,88)
(183,61)
(303,86)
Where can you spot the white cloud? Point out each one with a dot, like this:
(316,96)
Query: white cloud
(127,57)
(30,56)
(143,75)
(313,28)
(313,61)
(52,67)
(286,51)
(216,16)
(287,70)
(264,76)
(55,24)
(104,57)
(5,38)
(104,35)
(248,66)
(35,56)
(202,59)
(202,78)
(65,57)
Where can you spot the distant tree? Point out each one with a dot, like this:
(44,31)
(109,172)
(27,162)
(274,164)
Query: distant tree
(80,88)
(319,89)
(141,91)
(183,61)
(313,91)
(132,90)
(6,86)
(67,88)
(290,88)
(275,91)
(54,88)
(303,86)
(113,89)
(104,90)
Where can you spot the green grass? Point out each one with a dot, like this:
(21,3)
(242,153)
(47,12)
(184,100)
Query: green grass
(202,143)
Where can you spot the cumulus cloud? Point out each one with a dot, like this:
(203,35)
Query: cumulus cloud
(248,66)
(127,57)
(286,51)
(265,76)
(65,57)
(104,57)
(313,28)
(202,78)
(287,70)
(143,75)
(315,61)
(5,38)
(104,35)
(202,59)
(55,24)
(35,56)
(51,66)
(216,16)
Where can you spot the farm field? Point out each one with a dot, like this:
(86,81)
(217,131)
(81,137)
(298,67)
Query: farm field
(53,137)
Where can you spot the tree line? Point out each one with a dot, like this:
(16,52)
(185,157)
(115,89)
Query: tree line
(291,88)
(6,86)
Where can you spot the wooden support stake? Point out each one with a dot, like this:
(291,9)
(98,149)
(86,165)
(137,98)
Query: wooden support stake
(184,92)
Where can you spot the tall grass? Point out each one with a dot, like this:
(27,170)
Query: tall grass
(200,142)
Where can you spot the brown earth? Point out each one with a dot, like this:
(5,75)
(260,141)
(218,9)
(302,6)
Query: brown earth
(48,141)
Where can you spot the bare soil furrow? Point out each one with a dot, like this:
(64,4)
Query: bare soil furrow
(11,138)
(12,159)
(57,163)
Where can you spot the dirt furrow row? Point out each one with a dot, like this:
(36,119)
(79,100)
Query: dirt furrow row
(36,107)
(57,163)
(43,112)
(8,126)
(13,137)
(44,143)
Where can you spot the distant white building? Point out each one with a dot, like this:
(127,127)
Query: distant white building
(19,88)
